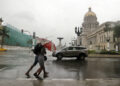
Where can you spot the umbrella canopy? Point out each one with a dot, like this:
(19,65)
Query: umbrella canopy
(47,44)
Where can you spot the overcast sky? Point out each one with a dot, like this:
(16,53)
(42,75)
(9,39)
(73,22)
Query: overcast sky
(56,18)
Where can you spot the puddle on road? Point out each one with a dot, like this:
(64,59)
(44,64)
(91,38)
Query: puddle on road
(97,68)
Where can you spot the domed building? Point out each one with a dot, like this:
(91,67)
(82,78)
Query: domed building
(93,36)
(90,21)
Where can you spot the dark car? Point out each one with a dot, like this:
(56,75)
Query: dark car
(79,52)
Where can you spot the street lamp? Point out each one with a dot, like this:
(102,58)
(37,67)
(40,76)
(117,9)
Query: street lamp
(90,45)
(107,29)
(78,31)
(60,44)
(108,43)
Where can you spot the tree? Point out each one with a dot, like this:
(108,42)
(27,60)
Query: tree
(117,35)
(3,33)
(107,29)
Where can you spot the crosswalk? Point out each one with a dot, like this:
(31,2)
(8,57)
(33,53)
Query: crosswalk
(54,79)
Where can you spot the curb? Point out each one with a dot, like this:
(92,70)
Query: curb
(2,49)
(102,56)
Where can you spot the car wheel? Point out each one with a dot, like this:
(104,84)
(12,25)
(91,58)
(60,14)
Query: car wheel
(59,57)
(82,57)
(78,58)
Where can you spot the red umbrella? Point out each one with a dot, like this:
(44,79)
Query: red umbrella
(47,44)
(50,46)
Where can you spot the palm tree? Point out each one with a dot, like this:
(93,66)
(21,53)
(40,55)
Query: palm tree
(3,33)
(117,35)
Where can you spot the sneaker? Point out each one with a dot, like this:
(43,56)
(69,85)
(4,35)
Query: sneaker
(45,75)
(36,76)
(27,74)
(46,72)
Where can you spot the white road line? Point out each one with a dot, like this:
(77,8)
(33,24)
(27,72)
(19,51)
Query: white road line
(46,79)
(64,79)
(3,68)
(26,79)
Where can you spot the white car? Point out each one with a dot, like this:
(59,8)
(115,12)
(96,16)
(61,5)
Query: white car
(79,52)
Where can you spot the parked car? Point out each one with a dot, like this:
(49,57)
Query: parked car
(79,52)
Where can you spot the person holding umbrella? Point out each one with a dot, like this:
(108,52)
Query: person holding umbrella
(37,51)
(41,55)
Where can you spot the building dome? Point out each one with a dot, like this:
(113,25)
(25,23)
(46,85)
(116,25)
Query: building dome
(90,13)
(90,21)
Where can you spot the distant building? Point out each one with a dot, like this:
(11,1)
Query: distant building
(94,37)
(16,37)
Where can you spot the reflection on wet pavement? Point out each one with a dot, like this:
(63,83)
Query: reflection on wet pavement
(17,62)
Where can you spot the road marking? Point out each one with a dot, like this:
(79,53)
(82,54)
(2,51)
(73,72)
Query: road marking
(55,79)
(3,68)
(64,79)
(102,79)
(47,79)
(26,79)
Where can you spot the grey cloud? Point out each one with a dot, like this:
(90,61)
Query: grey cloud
(25,16)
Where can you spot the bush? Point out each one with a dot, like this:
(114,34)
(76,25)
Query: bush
(91,52)
(112,52)
(119,52)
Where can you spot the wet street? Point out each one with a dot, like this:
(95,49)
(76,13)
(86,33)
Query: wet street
(68,72)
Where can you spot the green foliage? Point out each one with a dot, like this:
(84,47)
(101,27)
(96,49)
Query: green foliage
(91,52)
(117,31)
(3,33)
(111,52)
(119,52)
(107,28)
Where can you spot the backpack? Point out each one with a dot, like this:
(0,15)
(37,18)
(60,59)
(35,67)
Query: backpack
(37,49)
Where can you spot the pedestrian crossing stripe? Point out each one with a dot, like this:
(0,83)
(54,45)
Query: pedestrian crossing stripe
(55,79)
(3,68)
(26,79)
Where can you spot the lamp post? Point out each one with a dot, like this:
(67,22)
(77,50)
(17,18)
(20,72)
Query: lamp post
(108,43)
(78,31)
(90,45)
(60,44)
(107,29)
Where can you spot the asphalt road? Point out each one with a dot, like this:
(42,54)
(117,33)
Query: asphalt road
(91,72)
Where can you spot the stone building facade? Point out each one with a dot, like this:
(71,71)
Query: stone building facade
(94,36)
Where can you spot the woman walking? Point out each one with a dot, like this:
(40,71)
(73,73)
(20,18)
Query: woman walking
(41,63)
